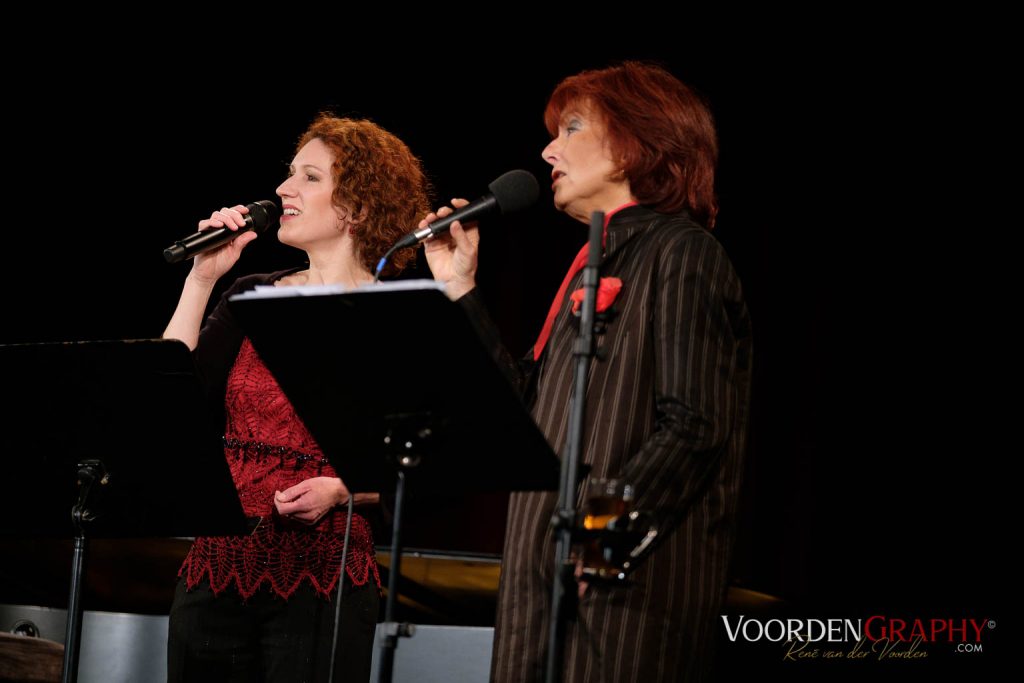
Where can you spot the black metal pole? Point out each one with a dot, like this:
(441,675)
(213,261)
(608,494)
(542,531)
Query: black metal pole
(563,590)
(89,473)
(73,628)
(393,630)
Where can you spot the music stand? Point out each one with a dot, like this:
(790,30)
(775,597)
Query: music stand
(119,434)
(394,384)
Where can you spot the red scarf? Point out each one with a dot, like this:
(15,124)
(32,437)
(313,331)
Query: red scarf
(577,266)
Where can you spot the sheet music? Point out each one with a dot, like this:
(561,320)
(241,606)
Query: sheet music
(272,292)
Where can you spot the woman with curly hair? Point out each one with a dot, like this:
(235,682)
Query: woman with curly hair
(260,606)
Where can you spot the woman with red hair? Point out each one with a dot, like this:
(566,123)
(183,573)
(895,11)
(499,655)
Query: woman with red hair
(667,404)
(259,607)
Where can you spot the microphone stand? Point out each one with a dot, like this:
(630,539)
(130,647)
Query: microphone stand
(90,473)
(563,590)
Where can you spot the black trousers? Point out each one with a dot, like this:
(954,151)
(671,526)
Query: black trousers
(266,639)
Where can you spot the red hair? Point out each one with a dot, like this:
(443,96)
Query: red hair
(659,129)
(376,177)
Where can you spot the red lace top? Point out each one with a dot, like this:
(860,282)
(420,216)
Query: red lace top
(269,449)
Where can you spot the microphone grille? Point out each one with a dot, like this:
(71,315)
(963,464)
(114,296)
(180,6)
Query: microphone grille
(264,213)
(515,190)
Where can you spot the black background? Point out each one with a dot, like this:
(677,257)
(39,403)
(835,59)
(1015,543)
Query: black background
(849,208)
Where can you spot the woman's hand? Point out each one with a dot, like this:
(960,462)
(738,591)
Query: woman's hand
(208,267)
(581,585)
(452,256)
(311,499)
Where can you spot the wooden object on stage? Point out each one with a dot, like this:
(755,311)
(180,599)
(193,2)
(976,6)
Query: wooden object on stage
(29,660)
(455,589)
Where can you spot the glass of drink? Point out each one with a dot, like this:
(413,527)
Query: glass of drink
(606,501)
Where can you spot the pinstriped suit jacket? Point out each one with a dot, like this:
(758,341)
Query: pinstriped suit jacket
(667,410)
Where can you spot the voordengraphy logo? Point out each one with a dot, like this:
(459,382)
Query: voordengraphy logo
(878,636)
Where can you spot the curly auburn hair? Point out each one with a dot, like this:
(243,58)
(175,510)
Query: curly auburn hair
(376,177)
(660,131)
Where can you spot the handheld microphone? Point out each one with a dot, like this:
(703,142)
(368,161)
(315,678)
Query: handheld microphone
(513,191)
(262,214)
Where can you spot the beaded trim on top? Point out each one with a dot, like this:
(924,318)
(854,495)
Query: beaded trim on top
(260,449)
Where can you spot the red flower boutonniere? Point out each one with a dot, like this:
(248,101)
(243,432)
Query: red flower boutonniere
(607,289)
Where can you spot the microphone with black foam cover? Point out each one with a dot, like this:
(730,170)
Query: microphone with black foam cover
(262,215)
(511,192)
